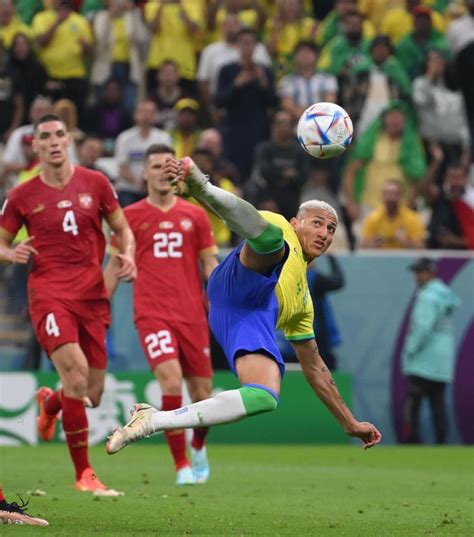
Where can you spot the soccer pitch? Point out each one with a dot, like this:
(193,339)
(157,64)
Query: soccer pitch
(254,490)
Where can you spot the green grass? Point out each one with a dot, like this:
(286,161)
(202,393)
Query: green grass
(254,490)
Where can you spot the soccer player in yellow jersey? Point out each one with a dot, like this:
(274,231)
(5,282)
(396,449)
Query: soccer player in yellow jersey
(260,286)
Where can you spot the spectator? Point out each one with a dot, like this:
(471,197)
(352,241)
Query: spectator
(24,63)
(185,135)
(284,30)
(440,110)
(452,215)
(130,150)
(461,40)
(389,149)
(11,98)
(108,117)
(332,24)
(429,352)
(27,9)
(173,25)
(245,90)
(347,50)
(167,93)
(220,53)
(14,155)
(10,24)
(393,225)
(282,165)
(67,111)
(398,22)
(64,41)
(90,151)
(211,140)
(205,162)
(249,14)
(119,34)
(373,83)
(414,47)
(306,86)
(325,327)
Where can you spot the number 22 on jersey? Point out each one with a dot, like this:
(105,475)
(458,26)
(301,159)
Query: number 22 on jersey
(168,244)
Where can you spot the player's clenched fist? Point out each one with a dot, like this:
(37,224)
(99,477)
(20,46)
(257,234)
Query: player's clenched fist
(22,253)
(172,170)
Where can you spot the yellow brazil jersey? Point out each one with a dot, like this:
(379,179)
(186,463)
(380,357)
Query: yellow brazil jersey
(120,49)
(173,40)
(63,57)
(295,315)
(11,30)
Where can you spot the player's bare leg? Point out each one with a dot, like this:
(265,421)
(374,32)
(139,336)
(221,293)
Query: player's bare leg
(199,390)
(72,367)
(170,378)
(261,378)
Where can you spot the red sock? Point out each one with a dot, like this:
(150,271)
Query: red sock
(75,426)
(199,437)
(53,403)
(176,439)
(2,497)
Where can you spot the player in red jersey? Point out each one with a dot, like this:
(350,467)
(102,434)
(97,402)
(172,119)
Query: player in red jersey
(173,238)
(63,208)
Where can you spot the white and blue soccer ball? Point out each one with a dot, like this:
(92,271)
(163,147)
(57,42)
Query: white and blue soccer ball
(325,130)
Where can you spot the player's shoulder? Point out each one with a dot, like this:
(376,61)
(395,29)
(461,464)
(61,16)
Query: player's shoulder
(89,174)
(275,219)
(26,189)
(190,209)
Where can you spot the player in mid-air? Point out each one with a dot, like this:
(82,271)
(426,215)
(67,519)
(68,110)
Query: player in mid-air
(174,238)
(63,208)
(259,286)
(12,513)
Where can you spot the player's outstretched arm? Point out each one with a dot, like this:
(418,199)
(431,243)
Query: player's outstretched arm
(320,379)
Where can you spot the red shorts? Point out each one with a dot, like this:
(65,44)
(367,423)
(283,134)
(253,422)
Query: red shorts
(59,322)
(188,343)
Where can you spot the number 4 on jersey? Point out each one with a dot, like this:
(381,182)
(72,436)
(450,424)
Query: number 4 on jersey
(69,223)
(52,328)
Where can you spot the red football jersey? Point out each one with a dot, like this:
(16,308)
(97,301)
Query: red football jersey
(168,285)
(67,229)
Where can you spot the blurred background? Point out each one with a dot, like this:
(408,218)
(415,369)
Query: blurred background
(403,69)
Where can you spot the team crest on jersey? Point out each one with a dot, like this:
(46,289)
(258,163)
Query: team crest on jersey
(64,204)
(186,224)
(85,201)
(166,224)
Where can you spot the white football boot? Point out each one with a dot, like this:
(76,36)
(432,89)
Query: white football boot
(140,425)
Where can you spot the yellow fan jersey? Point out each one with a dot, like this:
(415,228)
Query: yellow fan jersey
(295,315)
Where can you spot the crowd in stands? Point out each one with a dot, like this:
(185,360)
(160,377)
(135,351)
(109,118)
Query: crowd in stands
(226,81)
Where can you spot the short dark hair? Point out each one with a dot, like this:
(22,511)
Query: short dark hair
(159,149)
(47,118)
(382,39)
(306,43)
(246,31)
(203,152)
(456,164)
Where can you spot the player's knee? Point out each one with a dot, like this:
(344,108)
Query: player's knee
(258,399)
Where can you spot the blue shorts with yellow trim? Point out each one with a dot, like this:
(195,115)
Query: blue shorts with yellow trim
(244,309)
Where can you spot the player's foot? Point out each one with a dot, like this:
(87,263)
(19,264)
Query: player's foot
(138,426)
(45,423)
(89,482)
(200,464)
(184,476)
(12,513)
(192,176)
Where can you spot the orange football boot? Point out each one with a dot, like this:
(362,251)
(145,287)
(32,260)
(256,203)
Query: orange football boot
(89,482)
(45,422)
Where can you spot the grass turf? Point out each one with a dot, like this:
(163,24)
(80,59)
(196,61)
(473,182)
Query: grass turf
(254,490)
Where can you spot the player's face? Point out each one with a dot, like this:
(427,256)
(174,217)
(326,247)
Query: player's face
(51,142)
(315,231)
(153,173)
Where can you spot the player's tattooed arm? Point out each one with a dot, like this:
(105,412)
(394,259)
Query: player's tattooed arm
(321,381)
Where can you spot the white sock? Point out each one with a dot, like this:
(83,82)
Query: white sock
(225,407)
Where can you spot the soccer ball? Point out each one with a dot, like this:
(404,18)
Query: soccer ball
(324,130)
